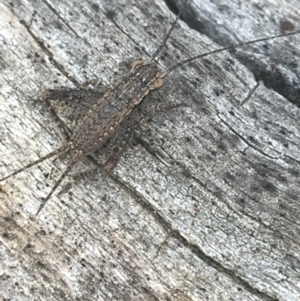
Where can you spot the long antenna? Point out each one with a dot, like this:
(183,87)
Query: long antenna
(193,58)
(163,43)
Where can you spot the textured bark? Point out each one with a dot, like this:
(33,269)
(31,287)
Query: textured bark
(211,212)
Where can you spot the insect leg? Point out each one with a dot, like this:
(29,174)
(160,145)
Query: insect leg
(115,147)
(73,162)
(62,149)
(79,100)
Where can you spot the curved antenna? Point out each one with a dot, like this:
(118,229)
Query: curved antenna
(193,58)
(163,43)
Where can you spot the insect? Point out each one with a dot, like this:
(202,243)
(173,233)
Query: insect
(107,113)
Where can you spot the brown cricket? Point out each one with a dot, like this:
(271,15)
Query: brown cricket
(109,112)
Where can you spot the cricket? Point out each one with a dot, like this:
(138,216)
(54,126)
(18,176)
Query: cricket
(104,114)
(149,150)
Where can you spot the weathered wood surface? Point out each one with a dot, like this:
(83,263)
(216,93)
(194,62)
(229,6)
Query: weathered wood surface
(217,218)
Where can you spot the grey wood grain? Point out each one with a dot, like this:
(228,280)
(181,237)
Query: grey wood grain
(210,212)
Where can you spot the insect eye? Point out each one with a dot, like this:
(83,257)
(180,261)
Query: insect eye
(158,83)
(136,63)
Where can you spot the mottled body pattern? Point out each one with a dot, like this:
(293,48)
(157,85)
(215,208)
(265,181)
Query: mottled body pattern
(104,115)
